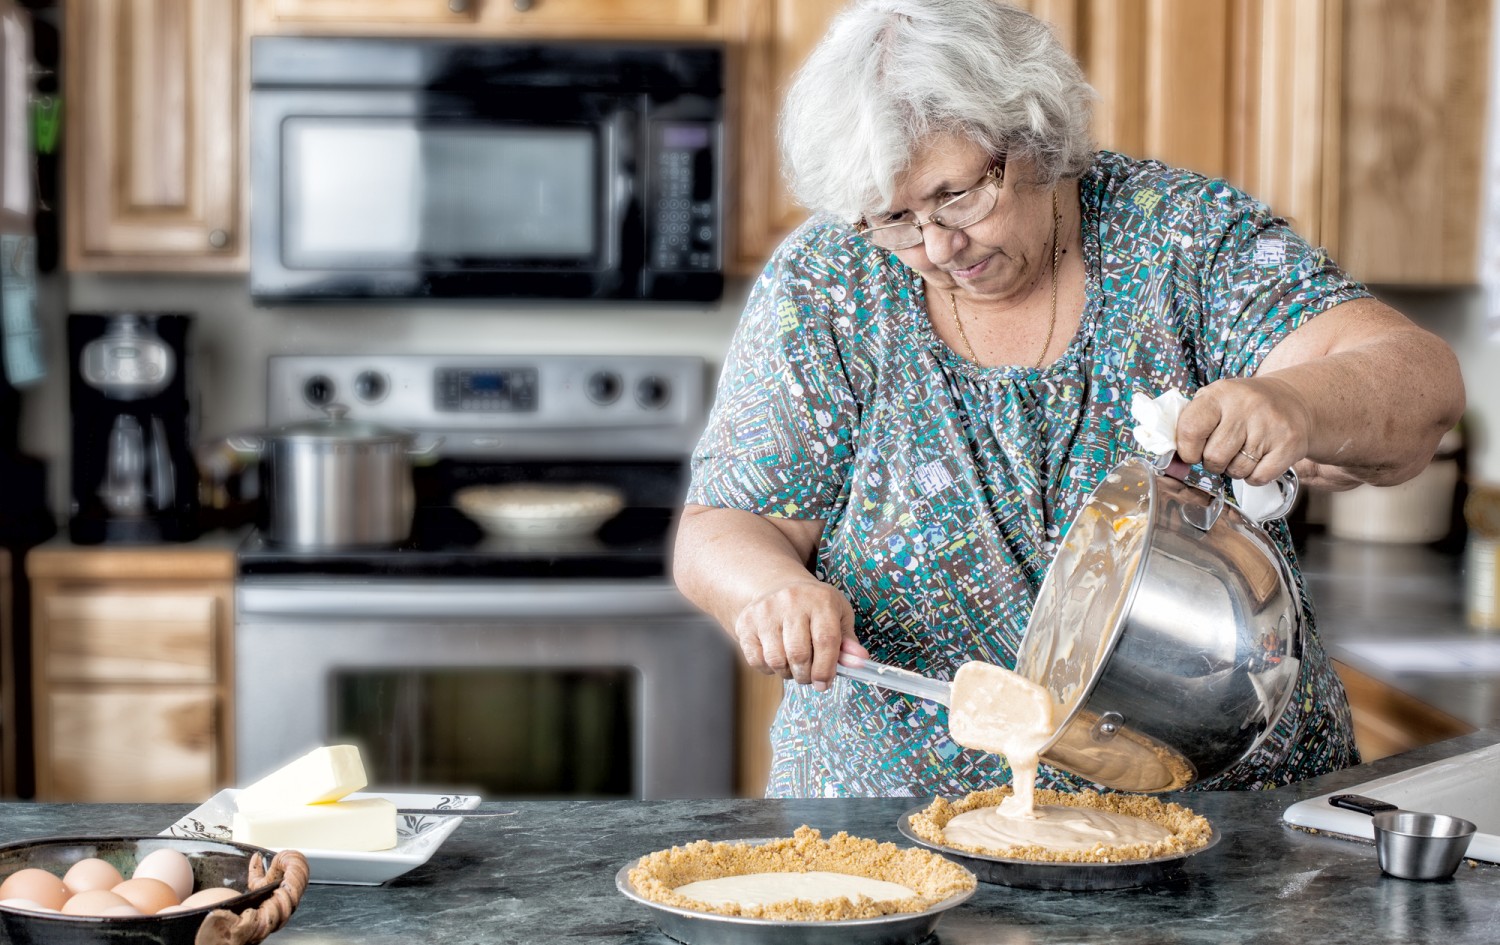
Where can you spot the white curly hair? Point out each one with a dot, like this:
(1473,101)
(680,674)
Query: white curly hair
(890,74)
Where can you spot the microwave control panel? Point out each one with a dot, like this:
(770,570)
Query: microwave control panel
(685,224)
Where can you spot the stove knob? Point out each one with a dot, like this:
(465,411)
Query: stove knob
(318,390)
(604,387)
(653,392)
(371,386)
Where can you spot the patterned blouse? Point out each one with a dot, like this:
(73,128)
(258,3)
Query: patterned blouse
(945,486)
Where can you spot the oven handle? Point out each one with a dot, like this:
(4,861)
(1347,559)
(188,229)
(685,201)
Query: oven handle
(443,599)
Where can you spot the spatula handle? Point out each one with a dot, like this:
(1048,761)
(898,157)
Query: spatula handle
(891,677)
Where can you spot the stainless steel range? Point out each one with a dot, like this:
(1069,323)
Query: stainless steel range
(510,666)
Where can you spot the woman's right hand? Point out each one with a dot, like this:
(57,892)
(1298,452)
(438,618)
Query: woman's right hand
(797,630)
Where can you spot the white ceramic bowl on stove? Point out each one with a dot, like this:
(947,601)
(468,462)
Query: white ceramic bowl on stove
(539,509)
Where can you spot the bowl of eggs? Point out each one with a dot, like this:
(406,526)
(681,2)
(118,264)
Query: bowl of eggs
(157,890)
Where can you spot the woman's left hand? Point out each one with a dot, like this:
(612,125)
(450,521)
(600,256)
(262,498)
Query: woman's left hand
(1251,428)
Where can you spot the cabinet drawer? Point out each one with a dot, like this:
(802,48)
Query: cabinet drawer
(130,745)
(373,11)
(131,637)
(568,18)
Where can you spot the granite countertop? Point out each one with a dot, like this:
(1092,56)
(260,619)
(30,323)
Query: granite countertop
(1369,591)
(547,875)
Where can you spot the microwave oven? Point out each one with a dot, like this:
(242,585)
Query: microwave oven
(399,169)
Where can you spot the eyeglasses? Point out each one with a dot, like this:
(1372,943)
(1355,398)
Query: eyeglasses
(966,209)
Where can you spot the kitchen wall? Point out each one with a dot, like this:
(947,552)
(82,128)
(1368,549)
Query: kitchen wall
(233,338)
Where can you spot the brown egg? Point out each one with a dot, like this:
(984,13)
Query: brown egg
(205,897)
(126,909)
(147,894)
(93,902)
(26,904)
(91,873)
(40,886)
(169,866)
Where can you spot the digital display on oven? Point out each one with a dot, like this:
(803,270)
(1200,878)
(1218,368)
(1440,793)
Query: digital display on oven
(486,390)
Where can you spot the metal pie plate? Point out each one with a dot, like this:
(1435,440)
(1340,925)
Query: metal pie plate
(1069,877)
(708,928)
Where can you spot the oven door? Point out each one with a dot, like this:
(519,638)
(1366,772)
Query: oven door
(598,689)
(399,193)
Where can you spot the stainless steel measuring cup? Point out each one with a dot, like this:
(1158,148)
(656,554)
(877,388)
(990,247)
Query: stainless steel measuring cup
(1410,844)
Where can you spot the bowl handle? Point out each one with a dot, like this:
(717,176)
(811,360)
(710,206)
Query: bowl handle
(288,871)
(1167,464)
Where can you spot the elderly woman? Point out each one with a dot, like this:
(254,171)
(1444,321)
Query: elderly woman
(935,371)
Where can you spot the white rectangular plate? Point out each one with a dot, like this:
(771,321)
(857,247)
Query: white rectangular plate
(417,836)
(1461,786)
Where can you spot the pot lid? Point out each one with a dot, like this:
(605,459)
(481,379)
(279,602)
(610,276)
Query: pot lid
(336,426)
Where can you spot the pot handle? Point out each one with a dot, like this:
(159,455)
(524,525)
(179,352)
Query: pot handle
(246,443)
(427,453)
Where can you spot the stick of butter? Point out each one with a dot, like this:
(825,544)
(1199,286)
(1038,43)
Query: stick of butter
(364,824)
(322,775)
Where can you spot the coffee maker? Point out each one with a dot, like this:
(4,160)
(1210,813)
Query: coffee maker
(134,478)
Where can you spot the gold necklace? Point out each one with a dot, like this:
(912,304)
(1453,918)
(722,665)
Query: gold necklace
(1051,324)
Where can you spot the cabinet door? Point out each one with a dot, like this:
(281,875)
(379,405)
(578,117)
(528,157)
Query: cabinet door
(154,123)
(129,745)
(1411,150)
(1162,72)
(774,36)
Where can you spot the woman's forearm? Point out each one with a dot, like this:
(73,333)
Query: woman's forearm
(752,573)
(726,558)
(1358,394)
(1379,401)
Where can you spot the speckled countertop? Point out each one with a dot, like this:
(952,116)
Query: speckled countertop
(547,874)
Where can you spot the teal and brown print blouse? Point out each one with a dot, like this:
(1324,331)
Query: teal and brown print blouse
(945,486)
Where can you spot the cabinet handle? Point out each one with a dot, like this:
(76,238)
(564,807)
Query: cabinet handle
(522,5)
(218,239)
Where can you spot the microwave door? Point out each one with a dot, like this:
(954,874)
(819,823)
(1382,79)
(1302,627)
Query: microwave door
(404,195)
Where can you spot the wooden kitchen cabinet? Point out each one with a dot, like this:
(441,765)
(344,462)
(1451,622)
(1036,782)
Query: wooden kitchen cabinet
(154,157)
(1360,121)
(132,672)
(591,19)
(1408,161)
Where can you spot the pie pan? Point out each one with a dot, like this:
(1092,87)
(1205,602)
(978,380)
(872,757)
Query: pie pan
(708,928)
(539,509)
(1068,877)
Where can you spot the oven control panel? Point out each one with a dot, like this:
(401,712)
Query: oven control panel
(492,405)
(486,390)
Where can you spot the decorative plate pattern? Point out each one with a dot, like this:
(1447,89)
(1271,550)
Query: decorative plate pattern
(417,836)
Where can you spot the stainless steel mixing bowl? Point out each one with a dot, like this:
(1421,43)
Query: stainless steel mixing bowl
(1169,628)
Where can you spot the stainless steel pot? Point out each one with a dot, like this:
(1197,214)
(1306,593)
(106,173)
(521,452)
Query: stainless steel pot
(335,482)
(1168,627)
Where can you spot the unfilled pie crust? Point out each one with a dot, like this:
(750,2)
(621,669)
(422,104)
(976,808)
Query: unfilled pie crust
(657,876)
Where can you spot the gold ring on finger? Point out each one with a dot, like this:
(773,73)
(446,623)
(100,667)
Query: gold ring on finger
(1250,456)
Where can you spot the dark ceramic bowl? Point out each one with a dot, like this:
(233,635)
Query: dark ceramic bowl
(215,863)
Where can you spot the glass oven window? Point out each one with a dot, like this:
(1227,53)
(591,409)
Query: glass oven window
(519,732)
(388,191)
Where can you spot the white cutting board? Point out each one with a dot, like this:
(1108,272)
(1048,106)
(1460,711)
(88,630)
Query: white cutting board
(1461,786)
